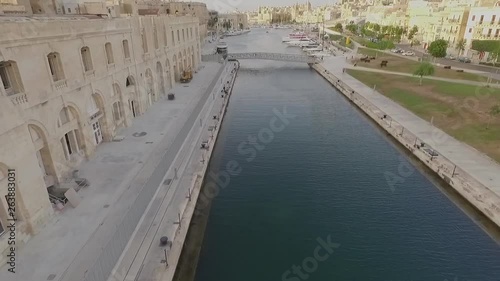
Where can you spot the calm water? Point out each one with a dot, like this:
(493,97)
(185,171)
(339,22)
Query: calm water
(323,176)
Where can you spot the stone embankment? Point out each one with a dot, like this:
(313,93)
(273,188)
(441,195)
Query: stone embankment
(480,196)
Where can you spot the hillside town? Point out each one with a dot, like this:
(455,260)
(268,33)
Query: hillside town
(471,28)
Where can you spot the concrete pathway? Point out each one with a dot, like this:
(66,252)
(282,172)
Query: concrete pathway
(479,166)
(141,259)
(468,82)
(118,171)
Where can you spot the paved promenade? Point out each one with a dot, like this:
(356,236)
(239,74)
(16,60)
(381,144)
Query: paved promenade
(142,258)
(478,169)
(70,244)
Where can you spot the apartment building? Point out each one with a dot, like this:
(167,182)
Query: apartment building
(67,84)
(483,23)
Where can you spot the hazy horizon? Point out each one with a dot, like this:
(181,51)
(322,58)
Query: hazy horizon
(241,5)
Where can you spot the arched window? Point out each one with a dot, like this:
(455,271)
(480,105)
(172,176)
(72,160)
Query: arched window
(55,65)
(87,59)
(109,53)
(126,50)
(10,78)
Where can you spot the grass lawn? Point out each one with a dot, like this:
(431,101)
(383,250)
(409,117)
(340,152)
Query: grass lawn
(399,64)
(460,110)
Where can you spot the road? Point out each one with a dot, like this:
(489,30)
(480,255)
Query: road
(419,53)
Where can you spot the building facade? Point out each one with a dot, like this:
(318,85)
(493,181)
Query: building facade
(483,23)
(70,83)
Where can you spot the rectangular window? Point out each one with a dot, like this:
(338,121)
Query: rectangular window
(87,59)
(55,66)
(178,36)
(116,111)
(470,30)
(126,50)
(155,38)
(493,19)
(183,36)
(481,19)
(497,32)
(68,143)
(489,32)
(191,31)
(165,39)
(4,75)
(473,18)
(173,38)
(109,53)
(144,41)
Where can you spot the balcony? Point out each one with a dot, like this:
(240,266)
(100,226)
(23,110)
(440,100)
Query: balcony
(61,84)
(19,99)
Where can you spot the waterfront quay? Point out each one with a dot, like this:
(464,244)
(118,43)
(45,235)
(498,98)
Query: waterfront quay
(472,174)
(153,167)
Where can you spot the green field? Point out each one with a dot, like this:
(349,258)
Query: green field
(407,65)
(460,110)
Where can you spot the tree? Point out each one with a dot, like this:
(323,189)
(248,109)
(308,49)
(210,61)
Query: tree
(494,110)
(338,27)
(376,27)
(437,48)
(352,28)
(460,47)
(424,69)
(412,32)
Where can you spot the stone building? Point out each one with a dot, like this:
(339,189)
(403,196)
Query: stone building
(239,21)
(69,83)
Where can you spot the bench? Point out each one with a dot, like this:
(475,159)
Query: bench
(447,67)
(383,63)
(460,70)
(365,59)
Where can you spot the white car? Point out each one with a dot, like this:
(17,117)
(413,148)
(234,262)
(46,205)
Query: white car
(408,54)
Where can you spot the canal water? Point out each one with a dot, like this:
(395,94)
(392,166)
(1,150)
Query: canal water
(313,195)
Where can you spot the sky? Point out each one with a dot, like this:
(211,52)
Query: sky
(250,5)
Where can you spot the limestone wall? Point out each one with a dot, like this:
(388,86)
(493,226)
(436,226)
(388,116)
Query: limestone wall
(31,119)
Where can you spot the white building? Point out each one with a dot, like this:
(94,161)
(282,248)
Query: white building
(483,23)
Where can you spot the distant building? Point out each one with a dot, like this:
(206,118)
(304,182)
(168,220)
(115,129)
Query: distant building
(483,23)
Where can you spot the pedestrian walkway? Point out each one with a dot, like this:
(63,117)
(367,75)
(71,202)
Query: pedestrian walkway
(479,166)
(117,172)
(468,82)
(141,259)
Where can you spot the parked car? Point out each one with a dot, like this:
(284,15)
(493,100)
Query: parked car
(408,53)
(451,57)
(397,51)
(464,59)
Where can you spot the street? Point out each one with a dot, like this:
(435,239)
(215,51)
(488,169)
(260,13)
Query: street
(452,63)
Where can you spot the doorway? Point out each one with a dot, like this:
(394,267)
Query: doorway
(96,127)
